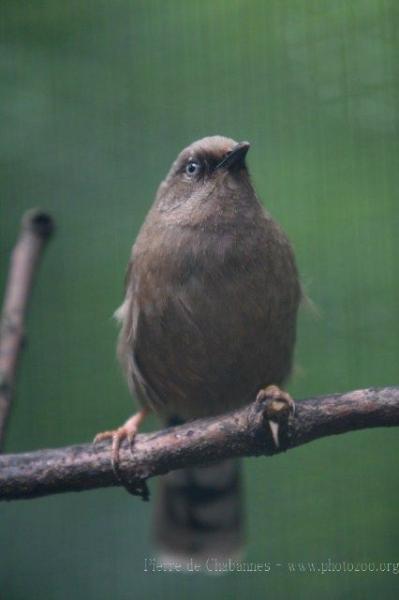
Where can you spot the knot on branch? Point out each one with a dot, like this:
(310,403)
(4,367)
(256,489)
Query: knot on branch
(39,222)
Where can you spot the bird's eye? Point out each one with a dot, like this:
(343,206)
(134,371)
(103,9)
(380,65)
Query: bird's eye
(192,168)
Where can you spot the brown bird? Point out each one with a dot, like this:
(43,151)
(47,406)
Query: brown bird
(208,323)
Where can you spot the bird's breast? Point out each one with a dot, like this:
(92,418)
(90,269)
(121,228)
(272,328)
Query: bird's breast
(215,320)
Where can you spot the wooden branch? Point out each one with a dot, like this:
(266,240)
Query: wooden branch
(244,432)
(36,228)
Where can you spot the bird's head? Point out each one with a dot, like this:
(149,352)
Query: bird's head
(211,166)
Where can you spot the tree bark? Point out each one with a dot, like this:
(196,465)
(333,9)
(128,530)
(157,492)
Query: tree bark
(244,432)
(36,228)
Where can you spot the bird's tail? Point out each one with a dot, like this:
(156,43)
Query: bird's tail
(199,513)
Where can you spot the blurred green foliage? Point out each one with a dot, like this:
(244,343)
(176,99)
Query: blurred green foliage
(97,98)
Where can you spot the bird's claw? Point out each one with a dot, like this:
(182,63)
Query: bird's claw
(127,431)
(279,404)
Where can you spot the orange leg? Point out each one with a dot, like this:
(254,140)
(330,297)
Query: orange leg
(127,431)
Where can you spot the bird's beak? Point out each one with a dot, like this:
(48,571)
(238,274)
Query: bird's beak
(236,157)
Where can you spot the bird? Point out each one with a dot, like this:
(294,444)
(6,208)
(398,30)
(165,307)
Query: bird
(208,324)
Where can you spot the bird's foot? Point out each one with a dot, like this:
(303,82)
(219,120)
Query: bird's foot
(279,405)
(127,431)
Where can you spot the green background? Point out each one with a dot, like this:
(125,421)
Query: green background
(97,98)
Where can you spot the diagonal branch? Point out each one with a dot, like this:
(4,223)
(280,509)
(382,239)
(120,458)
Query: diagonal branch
(36,228)
(244,432)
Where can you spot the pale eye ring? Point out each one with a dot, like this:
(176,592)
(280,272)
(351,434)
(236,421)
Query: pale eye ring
(192,168)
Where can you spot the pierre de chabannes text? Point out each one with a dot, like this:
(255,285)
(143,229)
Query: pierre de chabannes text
(215,565)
